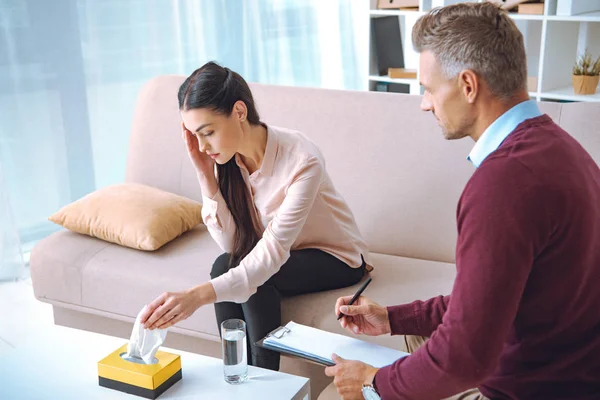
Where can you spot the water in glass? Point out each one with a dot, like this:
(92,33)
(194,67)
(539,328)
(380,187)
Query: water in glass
(235,363)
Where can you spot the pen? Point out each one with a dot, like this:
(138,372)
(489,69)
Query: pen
(356,296)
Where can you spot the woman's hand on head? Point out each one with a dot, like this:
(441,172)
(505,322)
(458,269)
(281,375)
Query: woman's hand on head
(201,161)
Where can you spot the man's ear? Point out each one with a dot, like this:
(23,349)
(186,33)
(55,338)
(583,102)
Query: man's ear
(469,84)
(240,110)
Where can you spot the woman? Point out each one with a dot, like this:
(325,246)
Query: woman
(270,205)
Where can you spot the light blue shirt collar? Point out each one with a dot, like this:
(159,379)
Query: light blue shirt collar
(495,134)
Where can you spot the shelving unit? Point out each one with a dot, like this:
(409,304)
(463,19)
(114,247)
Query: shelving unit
(552,43)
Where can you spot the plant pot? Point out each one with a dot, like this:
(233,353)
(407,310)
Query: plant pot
(584,84)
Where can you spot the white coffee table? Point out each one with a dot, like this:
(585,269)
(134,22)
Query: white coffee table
(63,365)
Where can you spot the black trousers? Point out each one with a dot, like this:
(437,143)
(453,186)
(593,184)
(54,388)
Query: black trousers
(306,271)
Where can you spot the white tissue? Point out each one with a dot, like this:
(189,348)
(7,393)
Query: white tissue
(144,343)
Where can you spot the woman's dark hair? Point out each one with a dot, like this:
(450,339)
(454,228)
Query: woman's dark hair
(217,89)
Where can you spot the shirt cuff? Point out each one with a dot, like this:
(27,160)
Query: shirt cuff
(221,286)
(403,320)
(375,382)
(210,205)
(382,377)
(212,202)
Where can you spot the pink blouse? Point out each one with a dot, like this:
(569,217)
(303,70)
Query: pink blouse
(298,208)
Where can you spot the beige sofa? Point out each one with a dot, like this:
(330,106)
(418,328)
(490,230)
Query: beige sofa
(387,158)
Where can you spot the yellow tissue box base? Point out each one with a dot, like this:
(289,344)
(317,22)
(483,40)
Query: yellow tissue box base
(143,376)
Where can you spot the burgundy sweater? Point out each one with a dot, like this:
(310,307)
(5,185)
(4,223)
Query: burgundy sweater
(523,319)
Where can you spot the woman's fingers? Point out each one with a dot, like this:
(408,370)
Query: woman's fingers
(146,314)
(184,132)
(178,314)
(150,308)
(189,138)
(156,316)
(169,323)
(164,306)
(166,318)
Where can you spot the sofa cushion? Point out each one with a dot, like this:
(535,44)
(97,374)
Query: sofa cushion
(135,278)
(77,269)
(132,215)
(56,264)
(109,278)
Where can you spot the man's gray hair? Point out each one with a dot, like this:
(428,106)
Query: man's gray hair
(476,36)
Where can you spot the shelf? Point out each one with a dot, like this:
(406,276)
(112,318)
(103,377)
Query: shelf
(568,94)
(377,78)
(386,13)
(587,17)
(552,44)
(526,17)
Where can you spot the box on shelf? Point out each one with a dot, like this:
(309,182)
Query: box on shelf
(532,83)
(381,87)
(395,4)
(514,5)
(391,87)
(531,8)
(398,88)
(140,379)
(402,73)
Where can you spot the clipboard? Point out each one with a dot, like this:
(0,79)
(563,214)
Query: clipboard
(279,332)
(316,346)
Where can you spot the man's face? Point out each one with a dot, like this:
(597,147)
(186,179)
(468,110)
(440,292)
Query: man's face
(444,98)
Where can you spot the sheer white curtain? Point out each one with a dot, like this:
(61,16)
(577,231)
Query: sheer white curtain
(70,71)
(11,258)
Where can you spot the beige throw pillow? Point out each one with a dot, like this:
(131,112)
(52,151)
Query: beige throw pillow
(132,215)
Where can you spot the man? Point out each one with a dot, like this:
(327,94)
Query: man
(523,319)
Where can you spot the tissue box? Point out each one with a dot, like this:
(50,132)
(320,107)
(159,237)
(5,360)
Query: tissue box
(145,380)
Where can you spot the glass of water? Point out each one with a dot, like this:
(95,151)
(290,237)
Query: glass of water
(235,359)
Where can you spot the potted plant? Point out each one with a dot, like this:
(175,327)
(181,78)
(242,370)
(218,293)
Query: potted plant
(586,74)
